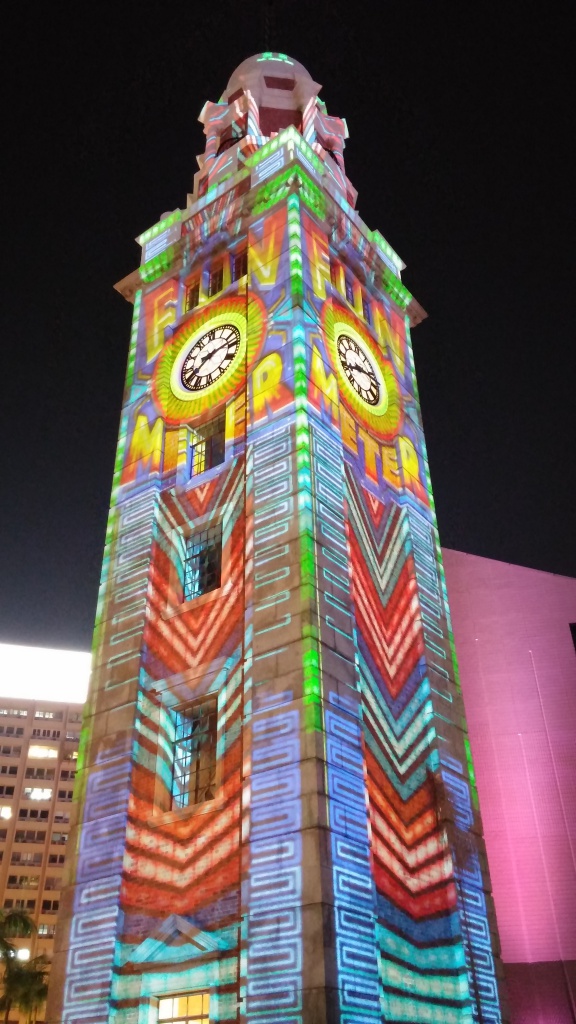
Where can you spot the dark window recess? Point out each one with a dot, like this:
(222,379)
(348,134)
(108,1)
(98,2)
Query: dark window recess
(280,83)
(193,780)
(239,265)
(573,631)
(327,147)
(349,290)
(6,790)
(32,812)
(56,858)
(208,446)
(274,119)
(40,773)
(3,834)
(50,906)
(231,135)
(20,904)
(192,296)
(9,769)
(366,311)
(203,561)
(29,836)
(216,280)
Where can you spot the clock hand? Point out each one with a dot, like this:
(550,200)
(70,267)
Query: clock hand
(210,354)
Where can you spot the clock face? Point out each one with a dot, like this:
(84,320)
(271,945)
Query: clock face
(360,369)
(367,383)
(207,360)
(209,357)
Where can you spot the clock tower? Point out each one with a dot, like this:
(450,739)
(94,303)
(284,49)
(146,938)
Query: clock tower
(276,818)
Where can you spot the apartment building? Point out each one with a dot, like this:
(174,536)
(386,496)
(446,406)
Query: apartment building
(38,751)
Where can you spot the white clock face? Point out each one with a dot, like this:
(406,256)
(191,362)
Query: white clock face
(209,357)
(360,369)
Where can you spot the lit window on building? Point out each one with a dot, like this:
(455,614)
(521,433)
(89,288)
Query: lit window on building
(203,562)
(22,881)
(193,1008)
(39,752)
(216,280)
(194,770)
(36,793)
(26,859)
(366,311)
(14,712)
(349,287)
(208,446)
(5,812)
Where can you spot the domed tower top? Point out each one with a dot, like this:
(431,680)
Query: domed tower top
(277,83)
(266,94)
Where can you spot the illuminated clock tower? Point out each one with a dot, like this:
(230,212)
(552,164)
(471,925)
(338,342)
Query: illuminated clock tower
(277,821)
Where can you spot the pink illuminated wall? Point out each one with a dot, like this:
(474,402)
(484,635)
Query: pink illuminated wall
(518,672)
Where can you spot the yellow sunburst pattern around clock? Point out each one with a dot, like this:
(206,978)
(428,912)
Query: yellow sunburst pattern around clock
(384,418)
(177,404)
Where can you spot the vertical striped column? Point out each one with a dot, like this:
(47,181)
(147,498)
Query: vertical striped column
(87,928)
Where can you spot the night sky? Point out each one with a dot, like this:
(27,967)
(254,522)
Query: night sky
(461,127)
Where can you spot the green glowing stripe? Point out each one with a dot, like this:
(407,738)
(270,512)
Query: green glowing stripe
(471,772)
(158,228)
(280,57)
(158,265)
(279,187)
(289,136)
(395,288)
(380,242)
(311,661)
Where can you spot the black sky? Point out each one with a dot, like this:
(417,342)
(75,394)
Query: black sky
(461,124)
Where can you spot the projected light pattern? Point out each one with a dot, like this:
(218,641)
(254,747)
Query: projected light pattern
(342,815)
